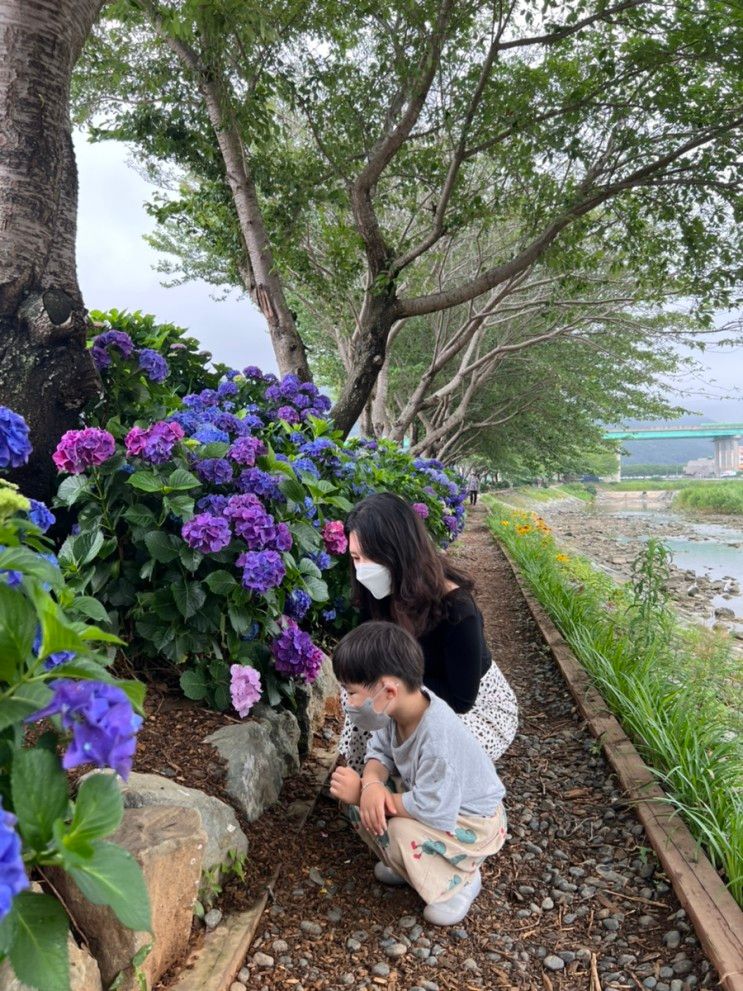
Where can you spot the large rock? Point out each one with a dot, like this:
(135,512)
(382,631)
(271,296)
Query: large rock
(168,843)
(311,700)
(218,819)
(259,754)
(84,972)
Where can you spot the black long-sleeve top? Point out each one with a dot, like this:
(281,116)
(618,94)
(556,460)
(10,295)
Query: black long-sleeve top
(455,653)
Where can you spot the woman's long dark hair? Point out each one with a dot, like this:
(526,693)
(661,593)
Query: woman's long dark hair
(391,533)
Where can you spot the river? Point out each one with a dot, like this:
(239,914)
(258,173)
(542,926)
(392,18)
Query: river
(707,573)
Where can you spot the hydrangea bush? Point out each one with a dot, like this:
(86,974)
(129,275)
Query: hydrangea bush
(53,668)
(214,535)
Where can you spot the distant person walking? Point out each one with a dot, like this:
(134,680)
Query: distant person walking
(473,488)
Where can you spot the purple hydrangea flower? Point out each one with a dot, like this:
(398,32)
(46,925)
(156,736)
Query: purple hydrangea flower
(251,521)
(81,449)
(252,421)
(188,420)
(102,721)
(206,533)
(13,877)
(450,522)
(245,688)
(160,441)
(298,604)
(10,577)
(314,448)
(52,661)
(321,559)
(15,447)
(252,372)
(230,424)
(231,373)
(110,339)
(328,615)
(227,388)
(262,570)
(310,508)
(209,434)
(41,515)
(283,540)
(153,365)
(288,414)
(295,654)
(200,400)
(260,483)
(421,509)
(213,504)
(218,471)
(245,450)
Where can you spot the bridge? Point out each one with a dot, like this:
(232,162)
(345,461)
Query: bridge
(727,437)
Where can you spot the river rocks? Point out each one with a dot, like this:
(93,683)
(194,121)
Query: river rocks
(723,612)
(259,754)
(223,833)
(168,844)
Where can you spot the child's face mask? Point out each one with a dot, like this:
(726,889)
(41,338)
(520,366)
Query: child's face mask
(376,578)
(365,716)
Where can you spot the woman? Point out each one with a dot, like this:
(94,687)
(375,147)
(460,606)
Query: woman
(399,575)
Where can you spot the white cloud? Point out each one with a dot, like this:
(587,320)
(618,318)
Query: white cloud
(116,266)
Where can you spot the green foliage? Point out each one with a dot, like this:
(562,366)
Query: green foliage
(677,692)
(650,575)
(713,497)
(37,624)
(214,878)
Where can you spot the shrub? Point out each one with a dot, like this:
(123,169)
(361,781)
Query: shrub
(214,536)
(52,667)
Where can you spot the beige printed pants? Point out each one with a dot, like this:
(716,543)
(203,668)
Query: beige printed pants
(432,861)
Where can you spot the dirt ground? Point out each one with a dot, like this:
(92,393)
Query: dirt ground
(575,900)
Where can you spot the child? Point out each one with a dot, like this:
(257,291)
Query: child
(446,812)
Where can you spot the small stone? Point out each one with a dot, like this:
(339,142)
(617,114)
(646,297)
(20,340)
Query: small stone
(677,985)
(311,928)
(666,972)
(611,924)
(280,946)
(407,921)
(682,967)
(262,959)
(212,918)
(567,955)
(459,933)
(353,945)
(334,915)
(422,952)
(650,982)
(547,904)
(381,970)
(470,964)
(348,979)
(244,975)
(396,950)
(646,921)
(672,938)
(553,962)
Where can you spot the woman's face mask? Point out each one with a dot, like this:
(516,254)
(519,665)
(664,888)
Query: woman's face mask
(365,716)
(376,578)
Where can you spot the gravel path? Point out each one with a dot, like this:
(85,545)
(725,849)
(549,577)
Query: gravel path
(574,901)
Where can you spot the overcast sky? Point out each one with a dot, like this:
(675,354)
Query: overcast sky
(116,269)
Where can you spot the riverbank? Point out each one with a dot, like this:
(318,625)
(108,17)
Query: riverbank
(707,570)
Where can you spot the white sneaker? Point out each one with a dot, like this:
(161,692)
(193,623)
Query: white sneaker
(386,875)
(454,909)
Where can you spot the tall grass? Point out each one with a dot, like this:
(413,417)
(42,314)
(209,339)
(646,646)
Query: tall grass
(713,497)
(678,696)
(525,495)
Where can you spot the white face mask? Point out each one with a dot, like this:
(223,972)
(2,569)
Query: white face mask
(376,578)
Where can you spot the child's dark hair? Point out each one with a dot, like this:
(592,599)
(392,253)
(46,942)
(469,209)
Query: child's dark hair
(376,649)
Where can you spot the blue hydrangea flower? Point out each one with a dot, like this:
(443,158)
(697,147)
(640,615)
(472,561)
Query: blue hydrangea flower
(328,615)
(13,877)
(102,721)
(41,515)
(11,577)
(227,388)
(262,570)
(218,471)
(209,434)
(305,465)
(15,447)
(252,632)
(310,508)
(260,483)
(59,657)
(321,559)
(153,365)
(297,604)
(313,448)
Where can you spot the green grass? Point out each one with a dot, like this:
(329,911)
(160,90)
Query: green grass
(677,692)
(713,497)
(526,495)
(649,484)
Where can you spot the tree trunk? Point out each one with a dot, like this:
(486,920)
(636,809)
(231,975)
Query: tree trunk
(46,372)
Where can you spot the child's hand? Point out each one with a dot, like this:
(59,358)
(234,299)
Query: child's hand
(373,806)
(345,785)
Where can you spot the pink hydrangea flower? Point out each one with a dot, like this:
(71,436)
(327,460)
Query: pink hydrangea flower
(245,688)
(81,449)
(135,441)
(334,537)
(421,509)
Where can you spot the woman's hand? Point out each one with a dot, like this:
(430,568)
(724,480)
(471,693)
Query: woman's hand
(345,785)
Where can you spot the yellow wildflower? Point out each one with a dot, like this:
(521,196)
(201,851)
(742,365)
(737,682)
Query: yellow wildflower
(562,558)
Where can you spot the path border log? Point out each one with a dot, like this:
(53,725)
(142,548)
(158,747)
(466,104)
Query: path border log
(716,916)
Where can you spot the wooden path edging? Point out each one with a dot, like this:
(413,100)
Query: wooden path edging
(215,964)
(716,916)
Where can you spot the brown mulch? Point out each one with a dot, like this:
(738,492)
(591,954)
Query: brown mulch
(575,879)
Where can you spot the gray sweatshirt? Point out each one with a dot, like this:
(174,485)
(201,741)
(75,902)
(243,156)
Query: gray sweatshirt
(444,770)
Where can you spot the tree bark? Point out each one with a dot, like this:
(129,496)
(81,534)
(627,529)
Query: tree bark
(46,372)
